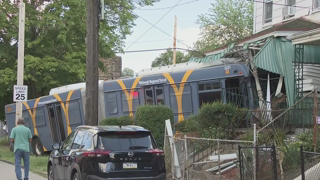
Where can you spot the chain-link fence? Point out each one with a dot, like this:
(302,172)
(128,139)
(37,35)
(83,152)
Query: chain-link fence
(200,158)
(310,165)
(265,165)
(287,129)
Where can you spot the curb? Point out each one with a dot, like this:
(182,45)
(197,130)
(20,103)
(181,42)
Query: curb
(36,172)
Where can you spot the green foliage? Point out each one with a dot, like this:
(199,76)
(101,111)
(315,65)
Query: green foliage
(273,136)
(188,125)
(55,49)
(4,141)
(215,120)
(227,21)
(166,58)
(127,72)
(291,158)
(122,121)
(38,164)
(219,119)
(153,118)
(306,139)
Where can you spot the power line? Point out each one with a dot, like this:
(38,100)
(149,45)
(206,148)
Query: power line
(154,24)
(161,49)
(152,41)
(180,41)
(155,9)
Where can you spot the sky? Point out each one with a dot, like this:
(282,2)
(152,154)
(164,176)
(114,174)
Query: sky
(187,31)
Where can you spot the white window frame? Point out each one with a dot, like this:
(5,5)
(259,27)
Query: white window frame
(314,7)
(267,21)
(287,2)
(290,6)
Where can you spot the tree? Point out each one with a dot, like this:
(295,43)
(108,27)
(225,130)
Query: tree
(55,48)
(166,58)
(226,22)
(127,72)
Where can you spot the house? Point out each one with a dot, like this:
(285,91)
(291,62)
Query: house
(270,12)
(270,51)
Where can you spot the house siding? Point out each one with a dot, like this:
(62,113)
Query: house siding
(308,13)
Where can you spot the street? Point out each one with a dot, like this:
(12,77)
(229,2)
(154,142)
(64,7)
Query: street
(7,172)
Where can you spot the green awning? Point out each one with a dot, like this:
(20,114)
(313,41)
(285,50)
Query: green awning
(214,57)
(277,57)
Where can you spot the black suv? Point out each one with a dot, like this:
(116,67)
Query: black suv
(107,152)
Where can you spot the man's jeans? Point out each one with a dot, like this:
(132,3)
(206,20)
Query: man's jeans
(17,162)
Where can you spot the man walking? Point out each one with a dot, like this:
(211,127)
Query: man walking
(21,136)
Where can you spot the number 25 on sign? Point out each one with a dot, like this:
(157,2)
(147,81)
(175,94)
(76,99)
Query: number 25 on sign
(20,93)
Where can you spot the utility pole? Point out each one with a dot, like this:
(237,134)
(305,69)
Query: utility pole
(20,70)
(175,41)
(92,72)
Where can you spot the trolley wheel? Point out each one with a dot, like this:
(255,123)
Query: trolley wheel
(37,147)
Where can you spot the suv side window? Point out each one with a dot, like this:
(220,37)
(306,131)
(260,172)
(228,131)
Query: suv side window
(87,141)
(78,140)
(68,141)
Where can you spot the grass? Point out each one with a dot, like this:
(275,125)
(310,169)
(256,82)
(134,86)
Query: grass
(4,141)
(38,164)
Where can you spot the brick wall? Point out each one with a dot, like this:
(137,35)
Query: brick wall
(114,68)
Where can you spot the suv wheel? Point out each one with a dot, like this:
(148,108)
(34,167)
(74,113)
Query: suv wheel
(75,177)
(50,173)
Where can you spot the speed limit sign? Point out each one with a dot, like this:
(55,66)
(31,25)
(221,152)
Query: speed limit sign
(20,93)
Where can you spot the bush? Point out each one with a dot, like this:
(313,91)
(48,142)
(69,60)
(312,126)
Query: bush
(188,125)
(306,140)
(116,121)
(219,119)
(153,118)
(291,156)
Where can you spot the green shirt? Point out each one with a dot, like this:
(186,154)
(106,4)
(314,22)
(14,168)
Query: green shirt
(21,136)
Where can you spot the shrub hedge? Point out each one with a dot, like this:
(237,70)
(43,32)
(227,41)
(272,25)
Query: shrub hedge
(153,118)
(116,121)
(189,125)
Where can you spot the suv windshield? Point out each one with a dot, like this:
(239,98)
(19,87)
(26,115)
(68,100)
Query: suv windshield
(125,142)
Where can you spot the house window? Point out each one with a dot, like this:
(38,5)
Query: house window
(316,4)
(289,10)
(268,11)
(291,2)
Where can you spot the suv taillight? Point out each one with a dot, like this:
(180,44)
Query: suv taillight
(156,152)
(96,153)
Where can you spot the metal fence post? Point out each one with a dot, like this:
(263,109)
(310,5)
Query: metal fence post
(303,177)
(219,160)
(186,151)
(240,162)
(254,152)
(172,163)
(274,157)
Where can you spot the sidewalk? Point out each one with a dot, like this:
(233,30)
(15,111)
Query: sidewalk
(7,172)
